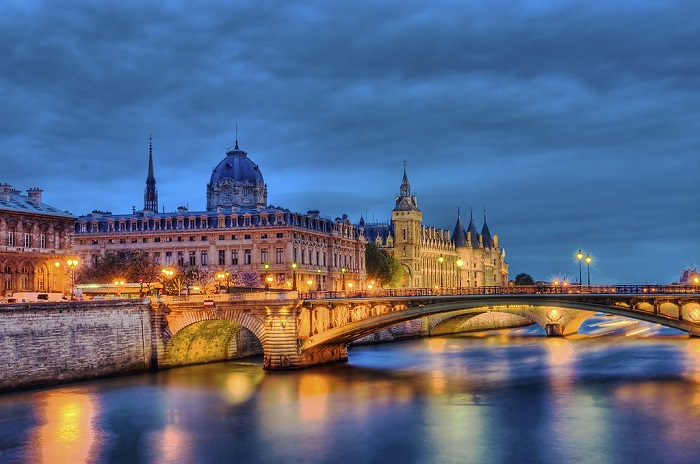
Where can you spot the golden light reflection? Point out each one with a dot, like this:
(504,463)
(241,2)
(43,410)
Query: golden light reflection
(66,434)
(437,345)
(692,360)
(437,382)
(559,351)
(171,445)
(313,397)
(240,386)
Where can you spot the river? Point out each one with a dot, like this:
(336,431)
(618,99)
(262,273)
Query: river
(500,397)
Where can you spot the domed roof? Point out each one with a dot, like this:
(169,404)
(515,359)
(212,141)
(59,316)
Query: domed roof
(236,182)
(237,167)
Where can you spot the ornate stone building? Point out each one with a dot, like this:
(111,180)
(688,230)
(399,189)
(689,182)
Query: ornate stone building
(433,257)
(35,243)
(238,232)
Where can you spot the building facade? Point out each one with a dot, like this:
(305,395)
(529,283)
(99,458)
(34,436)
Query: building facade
(434,258)
(237,233)
(35,243)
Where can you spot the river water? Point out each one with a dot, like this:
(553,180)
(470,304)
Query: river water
(615,395)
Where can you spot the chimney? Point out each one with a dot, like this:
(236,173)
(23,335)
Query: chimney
(5,190)
(35,196)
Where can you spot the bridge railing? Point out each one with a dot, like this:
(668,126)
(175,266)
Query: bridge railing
(511,290)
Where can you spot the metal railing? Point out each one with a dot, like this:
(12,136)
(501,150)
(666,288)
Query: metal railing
(518,290)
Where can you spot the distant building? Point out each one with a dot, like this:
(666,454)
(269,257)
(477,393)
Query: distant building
(35,243)
(431,257)
(689,276)
(238,233)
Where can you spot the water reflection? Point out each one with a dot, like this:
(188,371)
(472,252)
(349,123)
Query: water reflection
(497,397)
(66,433)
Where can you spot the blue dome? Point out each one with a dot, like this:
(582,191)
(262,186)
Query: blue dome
(236,183)
(237,167)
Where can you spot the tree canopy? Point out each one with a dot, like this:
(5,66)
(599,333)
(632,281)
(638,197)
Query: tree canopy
(523,279)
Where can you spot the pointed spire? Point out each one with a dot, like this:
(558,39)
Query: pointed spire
(405,186)
(459,236)
(472,233)
(236,148)
(150,195)
(486,238)
(405,201)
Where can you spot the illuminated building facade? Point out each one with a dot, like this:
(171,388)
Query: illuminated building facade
(35,243)
(433,257)
(237,233)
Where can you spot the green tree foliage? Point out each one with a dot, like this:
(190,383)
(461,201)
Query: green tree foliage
(524,279)
(397,272)
(378,264)
(130,266)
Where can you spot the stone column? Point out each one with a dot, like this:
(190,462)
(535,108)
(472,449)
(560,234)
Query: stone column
(280,346)
(553,329)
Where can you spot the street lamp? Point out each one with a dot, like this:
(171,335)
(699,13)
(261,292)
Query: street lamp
(441,260)
(588,264)
(54,283)
(268,279)
(579,256)
(118,284)
(72,264)
(318,279)
(294,276)
(460,263)
(223,276)
(343,271)
(167,275)
(309,282)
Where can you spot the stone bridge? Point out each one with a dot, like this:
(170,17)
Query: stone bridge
(297,331)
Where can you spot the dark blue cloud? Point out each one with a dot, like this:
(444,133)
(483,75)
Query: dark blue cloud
(574,123)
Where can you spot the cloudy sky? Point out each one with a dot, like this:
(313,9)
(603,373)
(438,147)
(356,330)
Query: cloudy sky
(575,124)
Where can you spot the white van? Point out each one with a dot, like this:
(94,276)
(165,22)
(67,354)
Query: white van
(34,297)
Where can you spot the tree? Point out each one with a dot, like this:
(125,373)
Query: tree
(523,279)
(397,272)
(127,265)
(377,264)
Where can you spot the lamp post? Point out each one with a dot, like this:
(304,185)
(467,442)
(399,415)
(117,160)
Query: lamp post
(579,256)
(309,283)
(54,283)
(72,264)
(460,263)
(167,275)
(220,276)
(318,279)
(294,276)
(268,279)
(118,284)
(343,272)
(441,260)
(588,264)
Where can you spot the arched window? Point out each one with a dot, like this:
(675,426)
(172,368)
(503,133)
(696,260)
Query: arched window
(24,279)
(40,279)
(7,279)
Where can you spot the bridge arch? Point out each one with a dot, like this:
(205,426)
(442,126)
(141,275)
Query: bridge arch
(194,336)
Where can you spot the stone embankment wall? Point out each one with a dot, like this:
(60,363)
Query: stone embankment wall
(50,343)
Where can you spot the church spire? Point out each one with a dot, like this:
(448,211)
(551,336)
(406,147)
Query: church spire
(405,186)
(150,195)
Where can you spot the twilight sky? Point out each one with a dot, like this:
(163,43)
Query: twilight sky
(576,124)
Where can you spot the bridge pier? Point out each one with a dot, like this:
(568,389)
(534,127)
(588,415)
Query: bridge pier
(554,329)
